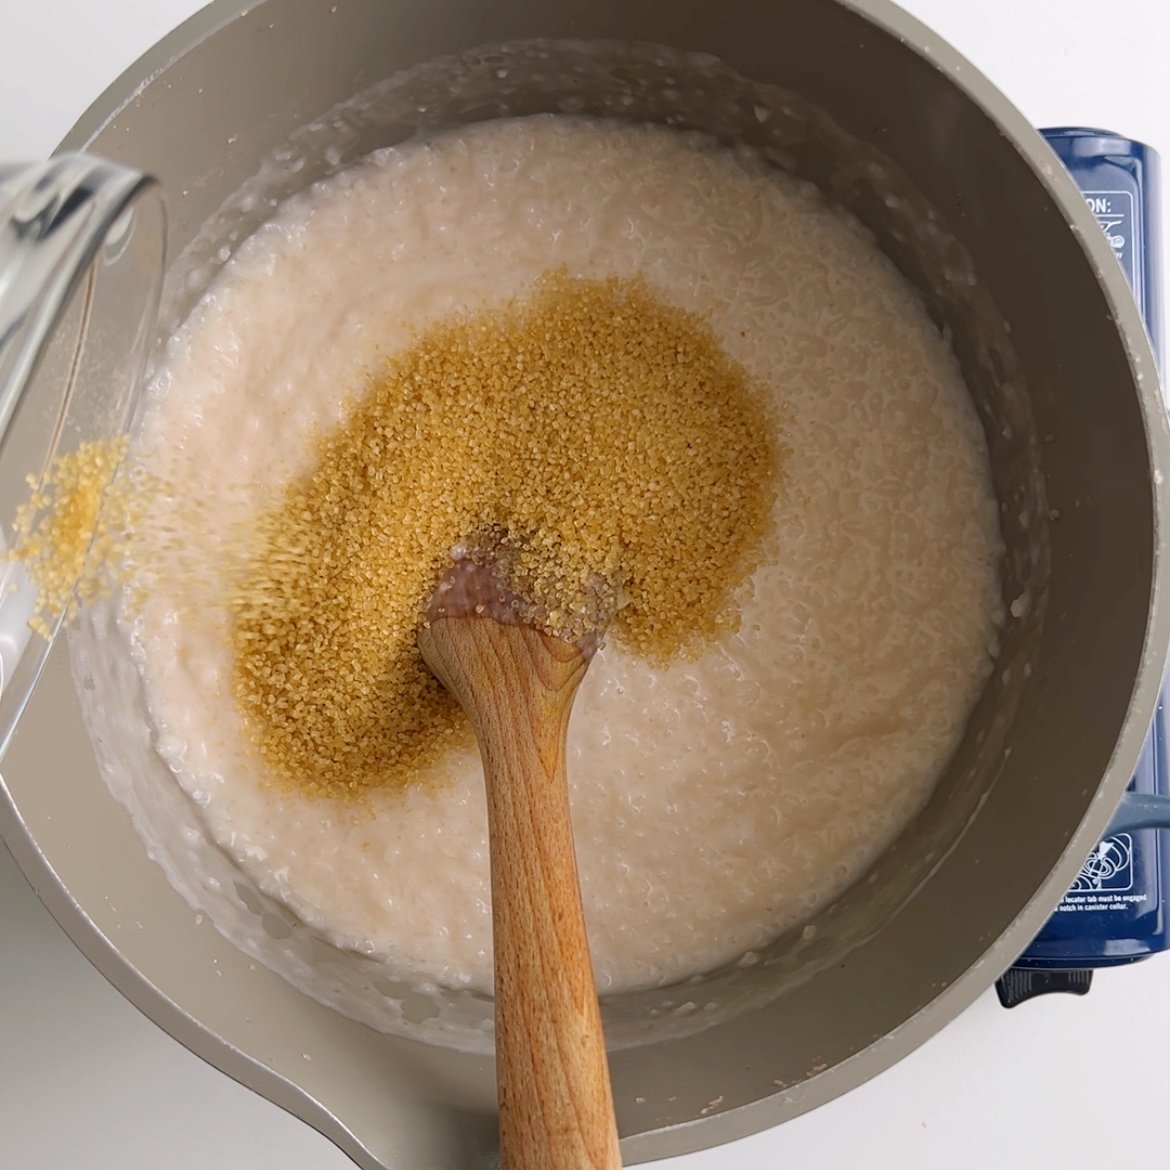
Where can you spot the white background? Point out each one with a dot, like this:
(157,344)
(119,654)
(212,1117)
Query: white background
(1060,1082)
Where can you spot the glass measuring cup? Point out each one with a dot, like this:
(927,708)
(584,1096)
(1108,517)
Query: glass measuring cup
(82,252)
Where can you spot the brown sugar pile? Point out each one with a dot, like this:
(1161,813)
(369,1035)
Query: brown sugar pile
(598,443)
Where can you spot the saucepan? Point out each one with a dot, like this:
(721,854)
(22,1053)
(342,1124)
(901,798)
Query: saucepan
(247,102)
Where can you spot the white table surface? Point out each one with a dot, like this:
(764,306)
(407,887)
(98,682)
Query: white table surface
(1061,1082)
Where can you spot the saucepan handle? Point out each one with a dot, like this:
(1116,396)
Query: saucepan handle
(1140,810)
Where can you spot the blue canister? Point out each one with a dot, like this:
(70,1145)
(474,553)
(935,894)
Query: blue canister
(1116,910)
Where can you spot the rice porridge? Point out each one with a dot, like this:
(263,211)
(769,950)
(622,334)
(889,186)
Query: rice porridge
(717,799)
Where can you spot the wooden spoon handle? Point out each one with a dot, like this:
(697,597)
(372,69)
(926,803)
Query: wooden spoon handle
(556,1106)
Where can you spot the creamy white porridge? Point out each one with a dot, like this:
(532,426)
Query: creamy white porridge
(716,802)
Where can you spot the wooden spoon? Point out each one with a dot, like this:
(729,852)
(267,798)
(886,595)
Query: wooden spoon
(517,685)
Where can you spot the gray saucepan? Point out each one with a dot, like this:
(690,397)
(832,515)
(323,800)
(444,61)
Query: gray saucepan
(249,101)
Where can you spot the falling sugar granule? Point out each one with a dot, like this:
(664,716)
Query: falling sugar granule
(68,533)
